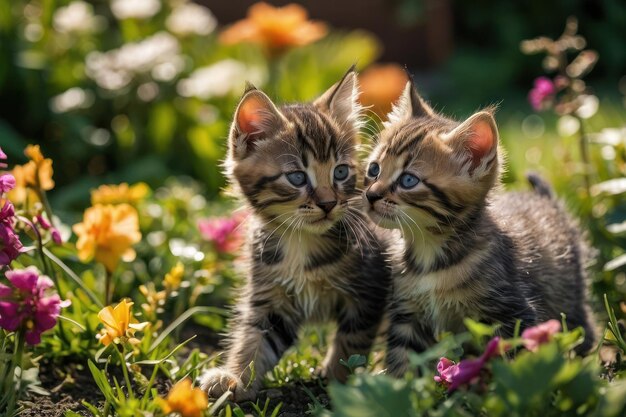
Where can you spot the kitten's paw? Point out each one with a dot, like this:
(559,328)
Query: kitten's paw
(215,382)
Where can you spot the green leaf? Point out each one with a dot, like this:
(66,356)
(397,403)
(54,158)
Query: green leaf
(372,396)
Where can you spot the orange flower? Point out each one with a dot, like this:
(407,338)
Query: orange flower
(107,234)
(36,174)
(121,193)
(381,85)
(183,399)
(119,324)
(276,28)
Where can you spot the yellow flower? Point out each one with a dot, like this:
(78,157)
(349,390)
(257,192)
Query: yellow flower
(122,193)
(276,28)
(173,278)
(119,324)
(183,399)
(36,174)
(107,234)
(381,85)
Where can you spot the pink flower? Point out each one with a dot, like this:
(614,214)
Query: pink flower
(7,183)
(10,245)
(43,222)
(56,236)
(540,334)
(454,375)
(26,304)
(542,91)
(3,156)
(223,232)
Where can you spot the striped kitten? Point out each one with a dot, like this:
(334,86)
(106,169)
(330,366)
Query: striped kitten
(469,251)
(312,255)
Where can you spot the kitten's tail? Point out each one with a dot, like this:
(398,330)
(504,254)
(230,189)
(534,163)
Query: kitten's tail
(540,186)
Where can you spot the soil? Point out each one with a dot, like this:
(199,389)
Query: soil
(69,385)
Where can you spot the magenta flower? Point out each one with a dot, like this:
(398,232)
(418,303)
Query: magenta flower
(10,245)
(7,183)
(542,91)
(540,334)
(56,236)
(223,232)
(26,304)
(3,156)
(454,375)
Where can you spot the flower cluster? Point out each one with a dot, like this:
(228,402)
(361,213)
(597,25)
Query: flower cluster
(469,370)
(107,233)
(10,245)
(567,92)
(120,193)
(275,28)
(32,178)
(223,232)
(27,304)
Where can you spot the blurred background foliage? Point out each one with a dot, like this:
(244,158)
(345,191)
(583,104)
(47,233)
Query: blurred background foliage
(114,93)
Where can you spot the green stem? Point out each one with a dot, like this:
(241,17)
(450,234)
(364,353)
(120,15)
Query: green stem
(46,204)
(149,386)
(129,387)
(20,339)
(584,154)
(107,287)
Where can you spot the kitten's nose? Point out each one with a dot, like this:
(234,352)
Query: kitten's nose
(327,206)
(373,197)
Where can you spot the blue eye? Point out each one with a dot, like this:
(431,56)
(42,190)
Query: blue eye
(341,172)
(297,178)
(373,170)
(408,181)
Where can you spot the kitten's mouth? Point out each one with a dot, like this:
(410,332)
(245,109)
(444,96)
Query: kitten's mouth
(385,220)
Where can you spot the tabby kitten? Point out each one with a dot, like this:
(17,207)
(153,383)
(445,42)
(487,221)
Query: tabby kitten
(312,254)
(469,251)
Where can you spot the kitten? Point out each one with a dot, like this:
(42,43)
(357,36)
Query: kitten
(468,250)
(313,256)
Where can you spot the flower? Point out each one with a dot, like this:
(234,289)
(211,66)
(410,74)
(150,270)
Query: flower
(174,277)
(540,334)
(115,69)
(119,324)
(107,234)
(189,19)
(3,156)
(381,86)
(7,183)
(35,175)
(10,245)
(118,194)
(454,375)
(26,303)
(218,80)
(77,17)
(542,91)
(276,28)
(73,99)
(223,232)
(135,9)
(183,399)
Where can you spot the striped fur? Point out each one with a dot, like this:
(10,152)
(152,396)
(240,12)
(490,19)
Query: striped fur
(469,250)
(305,263)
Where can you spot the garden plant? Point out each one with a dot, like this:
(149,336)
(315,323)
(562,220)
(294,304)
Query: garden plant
(120,242)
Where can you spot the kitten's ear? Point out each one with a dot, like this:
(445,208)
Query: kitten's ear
(410,104)
(256,118)
(477,139)
(341,100)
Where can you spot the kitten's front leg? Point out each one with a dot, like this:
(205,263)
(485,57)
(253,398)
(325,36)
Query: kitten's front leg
(406,333)
(259,338)
(357,329)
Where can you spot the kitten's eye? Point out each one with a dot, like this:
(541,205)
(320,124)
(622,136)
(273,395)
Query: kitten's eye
(297,178)
(408,181)
(373,170)
(341,172)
